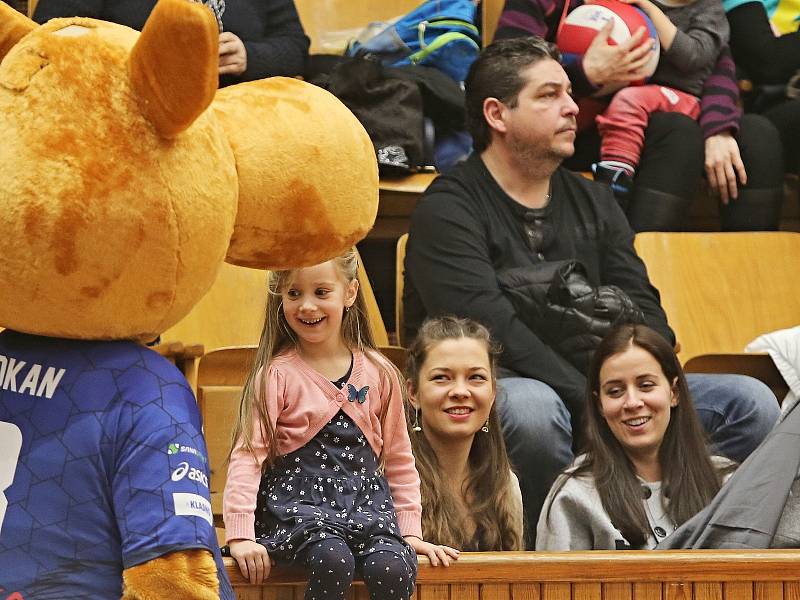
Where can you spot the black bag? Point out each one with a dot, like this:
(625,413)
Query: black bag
(557,302)
(390,110)
(404,109)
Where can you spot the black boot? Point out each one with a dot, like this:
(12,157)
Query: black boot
(652,210)
(753,210)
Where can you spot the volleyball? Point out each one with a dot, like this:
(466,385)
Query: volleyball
(582,24)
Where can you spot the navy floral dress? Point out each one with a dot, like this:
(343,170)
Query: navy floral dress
(330,488)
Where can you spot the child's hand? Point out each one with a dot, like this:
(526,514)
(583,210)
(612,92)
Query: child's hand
(664,27)
(435,554)
(253,560)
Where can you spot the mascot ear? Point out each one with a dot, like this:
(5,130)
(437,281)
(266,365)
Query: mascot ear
(13,27)
(173,67)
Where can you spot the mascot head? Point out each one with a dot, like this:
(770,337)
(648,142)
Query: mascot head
(127,178)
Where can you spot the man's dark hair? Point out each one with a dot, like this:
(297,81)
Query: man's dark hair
(497,73)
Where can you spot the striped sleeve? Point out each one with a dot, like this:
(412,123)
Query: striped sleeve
(719,103)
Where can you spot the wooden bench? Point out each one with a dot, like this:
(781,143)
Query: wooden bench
(613,575)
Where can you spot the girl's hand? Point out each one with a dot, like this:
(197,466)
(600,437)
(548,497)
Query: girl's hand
(253,560)
(435,554)
(665,29)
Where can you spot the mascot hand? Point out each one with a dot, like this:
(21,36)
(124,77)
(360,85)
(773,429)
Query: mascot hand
(187,574)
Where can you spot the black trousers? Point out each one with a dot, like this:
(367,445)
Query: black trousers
(768,61)
(673,162)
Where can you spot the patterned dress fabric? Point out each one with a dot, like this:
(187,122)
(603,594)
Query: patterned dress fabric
(329,487)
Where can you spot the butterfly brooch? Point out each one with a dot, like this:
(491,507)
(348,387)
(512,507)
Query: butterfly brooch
(353,393)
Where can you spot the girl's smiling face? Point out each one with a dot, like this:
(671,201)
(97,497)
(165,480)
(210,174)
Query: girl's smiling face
(314,301)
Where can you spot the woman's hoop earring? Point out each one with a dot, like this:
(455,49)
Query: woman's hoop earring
(416,426)
(485,428)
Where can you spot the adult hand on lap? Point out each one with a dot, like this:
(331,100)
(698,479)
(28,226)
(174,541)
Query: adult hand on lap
(723,164)
(604,63)
(232,54)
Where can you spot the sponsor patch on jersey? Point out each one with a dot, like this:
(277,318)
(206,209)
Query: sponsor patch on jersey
(193,505)
(184,470)
(175,448)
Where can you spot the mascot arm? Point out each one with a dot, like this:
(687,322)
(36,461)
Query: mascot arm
(186,574)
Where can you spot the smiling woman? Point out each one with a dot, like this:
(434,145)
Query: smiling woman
(470,497)
(645,467)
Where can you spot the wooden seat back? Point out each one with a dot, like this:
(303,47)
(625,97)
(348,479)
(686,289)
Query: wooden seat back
(490,15)
(230,314)
(322,17)
(722,290)
(379,333)
(221,374)
(399,283)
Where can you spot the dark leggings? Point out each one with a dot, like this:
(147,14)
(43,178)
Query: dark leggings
(764,57)
(769,60)
(332,568)
(786,118)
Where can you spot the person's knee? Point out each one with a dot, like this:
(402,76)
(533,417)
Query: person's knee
(531,408)
(333,554)
(761,151)
(737,411)
(673,154)
(756,402)
(536,424)
(387,566)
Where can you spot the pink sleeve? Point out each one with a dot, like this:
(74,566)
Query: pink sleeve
(401,473)
(244,469)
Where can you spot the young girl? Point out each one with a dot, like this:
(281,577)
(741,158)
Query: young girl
(321,470)
(470,497)
(646,469)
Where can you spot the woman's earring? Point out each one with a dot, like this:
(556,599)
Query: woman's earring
(416,426)
(346,309)
(485,428)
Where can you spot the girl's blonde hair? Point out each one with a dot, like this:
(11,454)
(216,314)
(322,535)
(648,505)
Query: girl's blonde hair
(488,485)
(277,337)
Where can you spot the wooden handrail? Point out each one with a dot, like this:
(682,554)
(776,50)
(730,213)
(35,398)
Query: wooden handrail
(590,567)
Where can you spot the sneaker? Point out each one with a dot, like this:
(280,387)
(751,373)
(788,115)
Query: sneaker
(618,179)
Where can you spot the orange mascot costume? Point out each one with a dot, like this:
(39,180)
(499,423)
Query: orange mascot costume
(126,179)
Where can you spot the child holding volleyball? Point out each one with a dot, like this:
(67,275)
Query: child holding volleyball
(691,34)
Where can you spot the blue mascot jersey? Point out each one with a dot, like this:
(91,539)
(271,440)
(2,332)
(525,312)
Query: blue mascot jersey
(103,466)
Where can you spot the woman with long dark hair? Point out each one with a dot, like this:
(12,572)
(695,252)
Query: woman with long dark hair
(470,497)
(645,467)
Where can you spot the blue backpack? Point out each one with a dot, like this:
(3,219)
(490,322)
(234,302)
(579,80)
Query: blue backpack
(438,33)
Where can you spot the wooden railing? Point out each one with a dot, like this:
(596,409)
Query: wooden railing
(632,575)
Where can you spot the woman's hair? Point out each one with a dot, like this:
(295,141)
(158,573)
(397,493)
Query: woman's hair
(277,337)
(487,487)
(689,479)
